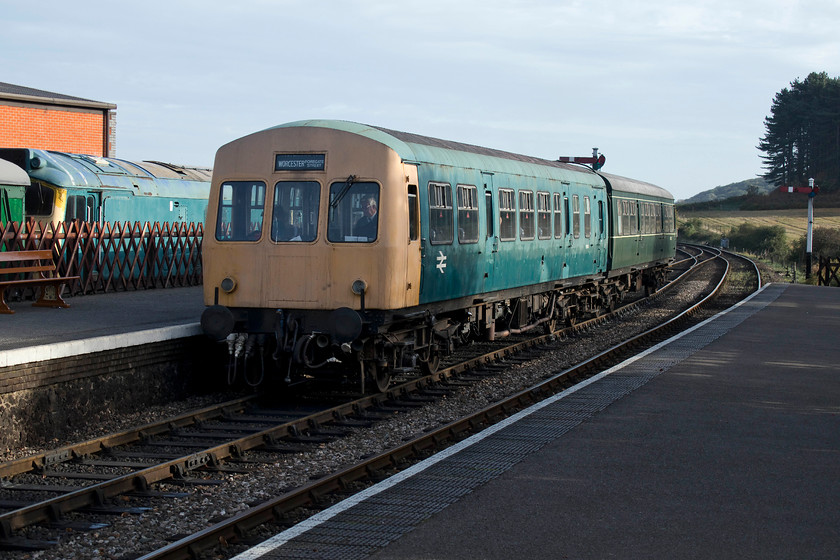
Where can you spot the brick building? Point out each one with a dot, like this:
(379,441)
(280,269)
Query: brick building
(32,118)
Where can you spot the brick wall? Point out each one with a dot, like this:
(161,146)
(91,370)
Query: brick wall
(76,131)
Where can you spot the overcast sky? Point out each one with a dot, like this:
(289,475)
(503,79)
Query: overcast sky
(673,92)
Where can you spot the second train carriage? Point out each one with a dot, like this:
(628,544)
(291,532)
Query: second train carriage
(66,187)
(13,184)
(339,247)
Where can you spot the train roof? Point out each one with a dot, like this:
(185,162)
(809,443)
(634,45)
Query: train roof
(623,184)
(425,149)
(11,174)
(78,170)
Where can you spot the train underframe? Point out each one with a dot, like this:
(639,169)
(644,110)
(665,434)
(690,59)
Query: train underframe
(368,348)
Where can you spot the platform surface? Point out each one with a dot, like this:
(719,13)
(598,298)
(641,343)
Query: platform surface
(722,443)
(101,315)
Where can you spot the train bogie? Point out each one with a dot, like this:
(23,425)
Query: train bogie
(341,245)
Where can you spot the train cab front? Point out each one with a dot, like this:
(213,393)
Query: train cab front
(288,277)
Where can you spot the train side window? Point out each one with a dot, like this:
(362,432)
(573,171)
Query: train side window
(558,215)
(526,215)
(413,213)
(295,213)
(576,216)
(440,213)
(566,216)
(76,208)
(544,215)
(587,217)
(600,217)
(241,210)
(489,214)
(354,212)
(507,215)
(634,216)
(467,214)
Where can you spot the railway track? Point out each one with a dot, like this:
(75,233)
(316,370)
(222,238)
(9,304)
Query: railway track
(246,435)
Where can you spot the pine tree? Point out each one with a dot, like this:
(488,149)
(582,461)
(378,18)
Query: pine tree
(802,138)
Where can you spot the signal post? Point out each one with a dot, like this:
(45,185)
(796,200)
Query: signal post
(812,191)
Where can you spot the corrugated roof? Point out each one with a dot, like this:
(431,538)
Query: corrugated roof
(23,93)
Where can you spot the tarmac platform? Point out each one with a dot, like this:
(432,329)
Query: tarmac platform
(98,322)
(723,442)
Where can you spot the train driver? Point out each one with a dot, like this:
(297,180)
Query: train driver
(281,227)
(366,225)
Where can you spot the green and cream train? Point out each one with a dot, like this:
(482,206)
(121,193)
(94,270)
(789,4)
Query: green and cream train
(336,248)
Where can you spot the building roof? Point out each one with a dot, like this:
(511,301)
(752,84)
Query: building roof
(25,94)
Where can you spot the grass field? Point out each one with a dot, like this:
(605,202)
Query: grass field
(795,222)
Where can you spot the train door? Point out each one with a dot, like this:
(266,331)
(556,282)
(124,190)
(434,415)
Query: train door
(599,225)
(414,253)
(491,235)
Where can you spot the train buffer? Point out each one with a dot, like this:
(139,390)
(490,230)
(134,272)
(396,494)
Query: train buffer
(34,268)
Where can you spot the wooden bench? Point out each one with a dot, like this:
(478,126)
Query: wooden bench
(32,268)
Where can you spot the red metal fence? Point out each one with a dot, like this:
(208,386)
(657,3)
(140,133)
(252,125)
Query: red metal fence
(114,257)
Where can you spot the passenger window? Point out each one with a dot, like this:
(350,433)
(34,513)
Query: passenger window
(413,214)
(587,218)
(241,210)
(354,212)
(543,215)
(558,215)
(507,215)
(295,214)
(526,215)
(467,214)
(440,214)
(576,215)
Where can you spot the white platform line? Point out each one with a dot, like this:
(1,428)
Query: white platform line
(66,349)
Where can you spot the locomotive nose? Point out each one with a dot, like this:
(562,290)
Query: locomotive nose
(217,322)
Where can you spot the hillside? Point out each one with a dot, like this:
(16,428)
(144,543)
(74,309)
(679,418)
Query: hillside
(741,188)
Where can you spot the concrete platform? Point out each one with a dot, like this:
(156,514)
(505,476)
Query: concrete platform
(728,452)
(98,322)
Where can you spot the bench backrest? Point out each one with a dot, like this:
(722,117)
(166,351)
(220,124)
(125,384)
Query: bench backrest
(22,262)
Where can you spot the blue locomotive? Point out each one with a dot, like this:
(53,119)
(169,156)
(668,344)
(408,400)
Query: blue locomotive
(67,187)
(336,248)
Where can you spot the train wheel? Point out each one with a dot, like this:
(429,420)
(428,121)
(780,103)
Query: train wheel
(431,365)
(381,377)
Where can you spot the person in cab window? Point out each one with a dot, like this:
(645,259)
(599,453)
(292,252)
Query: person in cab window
(366,226)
